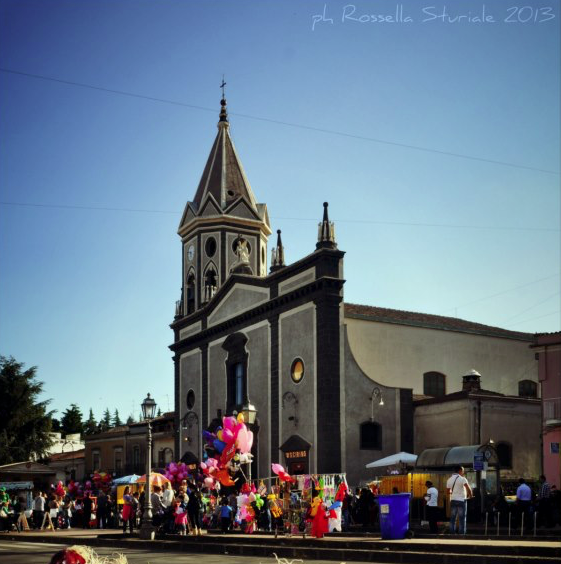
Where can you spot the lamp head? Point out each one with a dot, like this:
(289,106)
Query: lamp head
(148,408)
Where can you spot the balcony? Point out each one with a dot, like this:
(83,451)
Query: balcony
(552,412)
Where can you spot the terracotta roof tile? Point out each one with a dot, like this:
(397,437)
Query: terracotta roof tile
(431,321)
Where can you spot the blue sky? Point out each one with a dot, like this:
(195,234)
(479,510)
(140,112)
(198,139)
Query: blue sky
(436,144)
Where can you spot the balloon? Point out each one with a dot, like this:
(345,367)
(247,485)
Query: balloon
(240,418)
(227,436)
(249,440)
(277,468)
(219,435)
(229,423)
(208,482)
(242,440)
(219,445)
(334,505)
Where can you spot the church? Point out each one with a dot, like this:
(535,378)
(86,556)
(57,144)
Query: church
(326,386)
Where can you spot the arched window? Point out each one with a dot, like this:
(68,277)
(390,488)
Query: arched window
(527,389)
(371,436)
(434,384)
(190,293)
(504,452)
(236,371)
(211,283)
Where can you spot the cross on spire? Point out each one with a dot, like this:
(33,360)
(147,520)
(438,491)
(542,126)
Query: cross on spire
(222,86)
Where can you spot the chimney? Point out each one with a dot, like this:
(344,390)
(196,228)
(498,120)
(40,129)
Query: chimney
(471,381)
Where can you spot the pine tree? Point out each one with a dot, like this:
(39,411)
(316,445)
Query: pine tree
(90,426)
(130,420)
(71,421)
(105,423)
(116,419)
(159,412)
(25,423)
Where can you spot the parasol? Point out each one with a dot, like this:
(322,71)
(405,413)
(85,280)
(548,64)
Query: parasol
(126,480)
(399,458)
(155,479)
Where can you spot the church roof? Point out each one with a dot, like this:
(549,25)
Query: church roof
(430,321)
(223,176)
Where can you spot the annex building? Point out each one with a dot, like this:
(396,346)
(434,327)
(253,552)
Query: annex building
(333,384)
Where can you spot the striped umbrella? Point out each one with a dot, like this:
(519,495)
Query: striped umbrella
(155,479)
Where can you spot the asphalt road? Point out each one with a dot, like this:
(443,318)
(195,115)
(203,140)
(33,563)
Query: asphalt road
(13,552)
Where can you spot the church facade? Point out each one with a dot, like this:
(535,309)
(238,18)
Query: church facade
(282,343)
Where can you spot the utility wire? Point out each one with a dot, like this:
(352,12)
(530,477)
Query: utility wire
(279,122)
(531,307)
(534,318)
(500,293)
(368,221)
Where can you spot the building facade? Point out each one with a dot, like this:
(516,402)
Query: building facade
(332,383)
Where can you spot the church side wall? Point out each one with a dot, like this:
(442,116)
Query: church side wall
(399,355)
(358,410)
(190,379)
(297,339)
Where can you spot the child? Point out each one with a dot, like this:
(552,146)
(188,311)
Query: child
(180,519)
(225,515)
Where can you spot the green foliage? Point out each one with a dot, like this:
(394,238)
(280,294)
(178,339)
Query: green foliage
(105,423)
(130,420)
(25,422)
(55,425)
(72,420)
(116,419)
(90,426)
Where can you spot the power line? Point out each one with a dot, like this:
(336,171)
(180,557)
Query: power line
(501,293)
(366,221)
(279,122)
(531,307)
(533,318)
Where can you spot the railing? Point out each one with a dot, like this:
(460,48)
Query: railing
(552,411)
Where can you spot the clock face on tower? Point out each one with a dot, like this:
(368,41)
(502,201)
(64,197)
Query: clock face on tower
(190,252)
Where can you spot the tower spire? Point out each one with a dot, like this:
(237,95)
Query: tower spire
(223,112)
(277,254)
(326,231)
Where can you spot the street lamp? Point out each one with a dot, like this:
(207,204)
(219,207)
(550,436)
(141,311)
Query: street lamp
(249,415)
(376,396)
(147,530)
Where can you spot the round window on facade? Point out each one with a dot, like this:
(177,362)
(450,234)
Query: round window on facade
(190,399)
(210,247)
(297,370)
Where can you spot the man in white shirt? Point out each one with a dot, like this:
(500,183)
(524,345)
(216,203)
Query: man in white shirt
(523,501)
(431,498)
(459,490)
(38,510)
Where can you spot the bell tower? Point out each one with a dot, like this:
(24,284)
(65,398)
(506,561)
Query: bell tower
(223,229)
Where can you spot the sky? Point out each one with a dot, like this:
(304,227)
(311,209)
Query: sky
(431,128)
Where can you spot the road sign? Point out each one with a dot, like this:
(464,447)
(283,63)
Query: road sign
(478,461)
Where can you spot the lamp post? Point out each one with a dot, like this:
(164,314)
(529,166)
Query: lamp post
(147,531)
(249,415)
(375,397)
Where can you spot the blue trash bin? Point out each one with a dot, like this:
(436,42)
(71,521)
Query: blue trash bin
(394,515)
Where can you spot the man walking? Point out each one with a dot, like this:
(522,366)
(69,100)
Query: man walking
(523,502)
(544,503)
(459,491)
(38,510)
(431,498)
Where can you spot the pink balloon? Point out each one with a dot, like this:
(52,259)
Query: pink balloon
(229,423)
(277,468)
(249,440)
(208,482)
(227,436)
(242,439)
(203,466)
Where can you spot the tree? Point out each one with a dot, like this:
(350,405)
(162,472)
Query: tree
(130,420)
(159,414)
(116,419)
(72,420)
(55,425)
(90,426)
(105,423)
(25,422)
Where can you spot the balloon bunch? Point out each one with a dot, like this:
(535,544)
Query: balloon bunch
(59,490)
(280,472)
(248,505)
(176,472)
(232,443)
(101,480)
(75,489)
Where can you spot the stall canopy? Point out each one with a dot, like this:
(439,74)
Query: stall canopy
(446,458)
(126,480)
(399,458)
